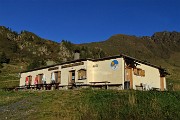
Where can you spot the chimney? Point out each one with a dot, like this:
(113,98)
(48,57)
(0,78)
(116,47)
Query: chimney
(76,54)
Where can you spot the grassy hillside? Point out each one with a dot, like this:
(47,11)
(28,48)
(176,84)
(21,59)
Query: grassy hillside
(26,46)
(90,105)
(25,50)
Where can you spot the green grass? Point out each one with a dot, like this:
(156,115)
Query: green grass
(173,85)
(8,81)
(9,76)
(90,105)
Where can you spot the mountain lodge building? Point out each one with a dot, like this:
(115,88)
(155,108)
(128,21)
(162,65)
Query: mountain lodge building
(115,72)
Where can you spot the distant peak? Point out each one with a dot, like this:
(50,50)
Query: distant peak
(122,37)
(165,33)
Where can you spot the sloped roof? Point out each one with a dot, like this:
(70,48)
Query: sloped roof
(101,59)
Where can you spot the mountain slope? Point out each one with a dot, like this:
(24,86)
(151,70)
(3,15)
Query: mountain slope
(27,51)
(162,49)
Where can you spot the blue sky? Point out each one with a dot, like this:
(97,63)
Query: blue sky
(82,21)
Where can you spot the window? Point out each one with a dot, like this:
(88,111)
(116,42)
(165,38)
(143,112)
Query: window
(81,74)
(139,72)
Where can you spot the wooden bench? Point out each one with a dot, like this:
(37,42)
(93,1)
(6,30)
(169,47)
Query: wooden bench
(63,86)
(139,87)
(100,84)
(115,86)
(47,86)
(155,89)
(39,86)
(19,88)
(80,84)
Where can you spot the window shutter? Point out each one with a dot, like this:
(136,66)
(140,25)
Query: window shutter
(143,73)
(135,71)
(59,76)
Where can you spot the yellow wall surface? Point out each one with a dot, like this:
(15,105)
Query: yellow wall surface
(36,72)
(64,74)
(103,71)
(151,78)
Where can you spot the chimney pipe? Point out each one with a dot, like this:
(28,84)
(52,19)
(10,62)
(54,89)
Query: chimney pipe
(76,54)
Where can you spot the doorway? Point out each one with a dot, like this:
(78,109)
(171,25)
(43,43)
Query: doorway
(57,76)
(40,76)
(30,80)
(128,83)
(72,77)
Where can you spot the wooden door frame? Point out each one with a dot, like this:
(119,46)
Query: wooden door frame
(30,80)
(58,76)
(130,74)
(40,78)
(70,76)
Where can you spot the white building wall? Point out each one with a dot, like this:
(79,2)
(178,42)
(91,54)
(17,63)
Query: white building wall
(64,74)
(90,71)
(34,73)
(151,78)
(102,71)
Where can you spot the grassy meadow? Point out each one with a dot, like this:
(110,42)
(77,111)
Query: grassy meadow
(87,104)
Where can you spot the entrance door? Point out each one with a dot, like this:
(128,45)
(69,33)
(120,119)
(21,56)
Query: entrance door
(40,76)
(58,76)
(128,83)
(72,77)
(162,83)
(30,80)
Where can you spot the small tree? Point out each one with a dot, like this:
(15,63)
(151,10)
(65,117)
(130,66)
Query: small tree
(102,54)
(1,66)
(43,63)
(3,58)
(68,45)
(14,47)
(36,63)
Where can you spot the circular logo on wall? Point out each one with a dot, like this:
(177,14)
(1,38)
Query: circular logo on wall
(114,64)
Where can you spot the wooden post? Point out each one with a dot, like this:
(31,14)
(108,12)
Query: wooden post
(131,78)
(162,83)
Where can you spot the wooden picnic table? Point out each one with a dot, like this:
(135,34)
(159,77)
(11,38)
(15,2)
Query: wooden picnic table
(100,83)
